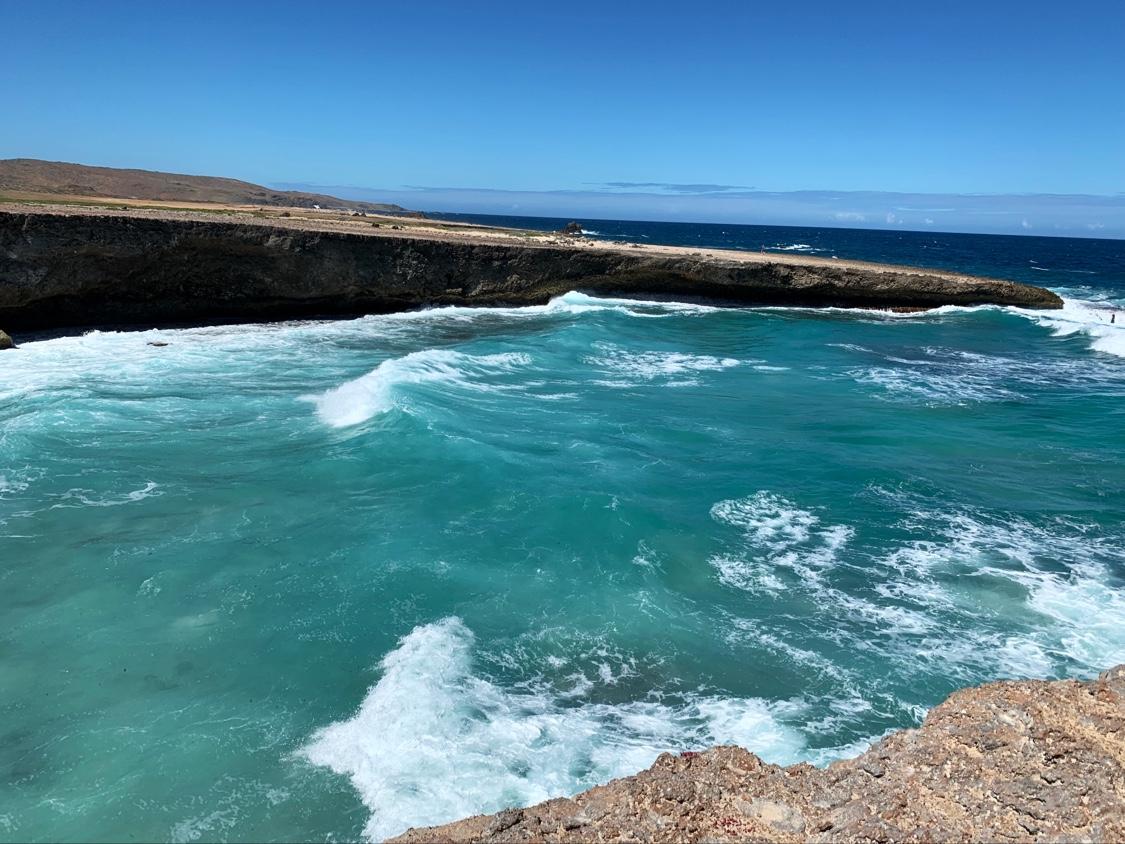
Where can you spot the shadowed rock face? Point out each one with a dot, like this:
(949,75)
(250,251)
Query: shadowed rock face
(85,269)
(1015,761)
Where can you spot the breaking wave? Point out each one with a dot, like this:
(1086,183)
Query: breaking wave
(433,741)
(1087,318)
(369,395)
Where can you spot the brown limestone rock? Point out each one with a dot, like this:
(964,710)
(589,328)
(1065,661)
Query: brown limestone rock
(1009,761)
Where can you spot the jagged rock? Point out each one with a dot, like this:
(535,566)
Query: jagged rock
(1012,761)
(6,342)
(85,267)
(571,229)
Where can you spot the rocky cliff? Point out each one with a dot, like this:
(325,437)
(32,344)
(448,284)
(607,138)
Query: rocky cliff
(1014,761)
(74,268)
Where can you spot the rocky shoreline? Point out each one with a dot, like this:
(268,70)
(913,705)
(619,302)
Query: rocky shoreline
(76,267)
(1009,761)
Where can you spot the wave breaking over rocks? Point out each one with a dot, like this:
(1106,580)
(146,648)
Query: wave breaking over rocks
(1013,761)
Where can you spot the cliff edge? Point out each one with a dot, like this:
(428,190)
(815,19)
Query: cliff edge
(1010,761)
(81,267)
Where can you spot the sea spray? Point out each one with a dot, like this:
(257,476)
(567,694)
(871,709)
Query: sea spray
(433,741)
(358,400)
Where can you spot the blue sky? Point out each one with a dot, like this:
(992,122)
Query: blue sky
(628,98)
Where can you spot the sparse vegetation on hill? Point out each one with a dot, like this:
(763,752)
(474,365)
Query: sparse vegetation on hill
(30,176)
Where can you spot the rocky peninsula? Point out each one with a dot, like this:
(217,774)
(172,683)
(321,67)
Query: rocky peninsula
(1009,761)
(71,266)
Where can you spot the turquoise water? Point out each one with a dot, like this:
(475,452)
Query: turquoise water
(327,580)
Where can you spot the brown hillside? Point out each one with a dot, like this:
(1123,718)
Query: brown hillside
(32,176)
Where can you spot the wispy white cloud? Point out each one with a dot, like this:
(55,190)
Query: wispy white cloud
(1078,215)
(669,187)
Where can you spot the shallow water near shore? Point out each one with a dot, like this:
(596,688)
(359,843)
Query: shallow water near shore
(328,580)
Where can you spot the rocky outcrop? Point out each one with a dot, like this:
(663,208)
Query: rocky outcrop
(1013,761)
(78,268)
(6,341)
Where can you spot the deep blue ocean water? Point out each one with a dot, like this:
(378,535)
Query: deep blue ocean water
(1044,261)
(327,580)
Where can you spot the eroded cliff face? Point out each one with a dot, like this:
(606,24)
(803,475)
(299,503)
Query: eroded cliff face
(75,269)
(1014,761)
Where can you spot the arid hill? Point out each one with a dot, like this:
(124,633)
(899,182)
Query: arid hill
(30,176)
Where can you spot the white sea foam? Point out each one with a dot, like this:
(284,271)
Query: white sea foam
(768,519)
(880,314)
(1085,317)
(1064,571)
(930,387)
(793,247)
(18,480)
(83,497)
(433,742)
(631,368)
(778,536)
(943,376)
(358,400)
(1087,617)
(634,307)
(572,303)
(937,604)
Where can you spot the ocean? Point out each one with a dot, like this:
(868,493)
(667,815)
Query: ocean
(326,580)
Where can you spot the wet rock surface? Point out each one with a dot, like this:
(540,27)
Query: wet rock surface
(83,268)
(1011,761)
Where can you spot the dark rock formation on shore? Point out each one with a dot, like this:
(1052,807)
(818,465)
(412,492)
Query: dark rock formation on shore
(1014,761)
(80,269)
(6,342)
(571,229)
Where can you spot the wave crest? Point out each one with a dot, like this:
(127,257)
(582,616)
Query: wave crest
(358,400)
